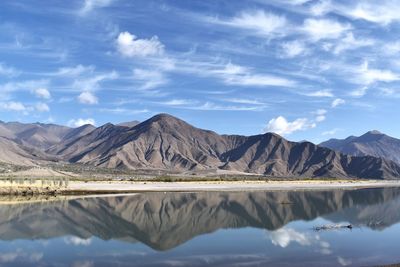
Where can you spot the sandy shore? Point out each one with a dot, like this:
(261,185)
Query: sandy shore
(96,188)
(130,187)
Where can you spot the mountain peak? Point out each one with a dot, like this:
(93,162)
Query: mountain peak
(163,116)
(374,132)
(165,119)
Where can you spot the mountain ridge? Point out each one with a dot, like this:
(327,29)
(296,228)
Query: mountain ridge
(166,143)
(372,143)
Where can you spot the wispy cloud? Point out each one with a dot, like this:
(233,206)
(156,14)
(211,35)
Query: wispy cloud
(8,71)
(89,5)
(337,102)
(256,22)
(318,29)
(320,93)
(149,79)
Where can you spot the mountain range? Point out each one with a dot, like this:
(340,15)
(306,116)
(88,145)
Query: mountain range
(373,143)
(169,144)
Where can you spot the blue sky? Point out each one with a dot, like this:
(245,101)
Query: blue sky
(304,69)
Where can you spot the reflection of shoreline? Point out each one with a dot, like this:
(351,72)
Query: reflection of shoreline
(163,221)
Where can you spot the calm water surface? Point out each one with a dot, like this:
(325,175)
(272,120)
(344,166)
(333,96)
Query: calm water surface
(205,229)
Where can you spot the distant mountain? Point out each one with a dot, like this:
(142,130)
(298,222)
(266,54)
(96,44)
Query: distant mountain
(37,135)
(167,143)
(372,143)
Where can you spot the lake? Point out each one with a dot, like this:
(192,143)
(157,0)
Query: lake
(205,229)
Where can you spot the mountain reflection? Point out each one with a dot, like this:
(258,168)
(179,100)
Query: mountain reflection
(166,220)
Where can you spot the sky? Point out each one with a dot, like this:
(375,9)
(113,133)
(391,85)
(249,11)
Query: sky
(305,69)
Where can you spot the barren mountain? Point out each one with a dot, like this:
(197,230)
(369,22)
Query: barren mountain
(13,153)
(372,143)
(38,135)
(164,221)
(167,143)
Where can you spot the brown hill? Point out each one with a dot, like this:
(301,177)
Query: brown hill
(167,143)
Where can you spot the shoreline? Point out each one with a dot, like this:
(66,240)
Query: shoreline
(90,188)
(226,186)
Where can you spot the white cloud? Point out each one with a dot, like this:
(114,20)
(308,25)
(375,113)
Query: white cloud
(22,86)
(237,75)
(319,29)
(350,43)
(331,132)
(244,101)
(213,106)
(293,49)
(93,83)
(381,12)
(359,92)
(392,48)
(89,5)
(256,22)
(42,93)
(42,107)
(366,75)
(124,111)
(8,71)
(321,93)
(87,97)
(81,122)
(320,115)
(281,126)
(321,8)
(178,102)
(337,102)
(149,79)
(14,106)
(129,46)
(75,71)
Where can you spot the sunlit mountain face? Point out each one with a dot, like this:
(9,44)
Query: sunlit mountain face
(196,229)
